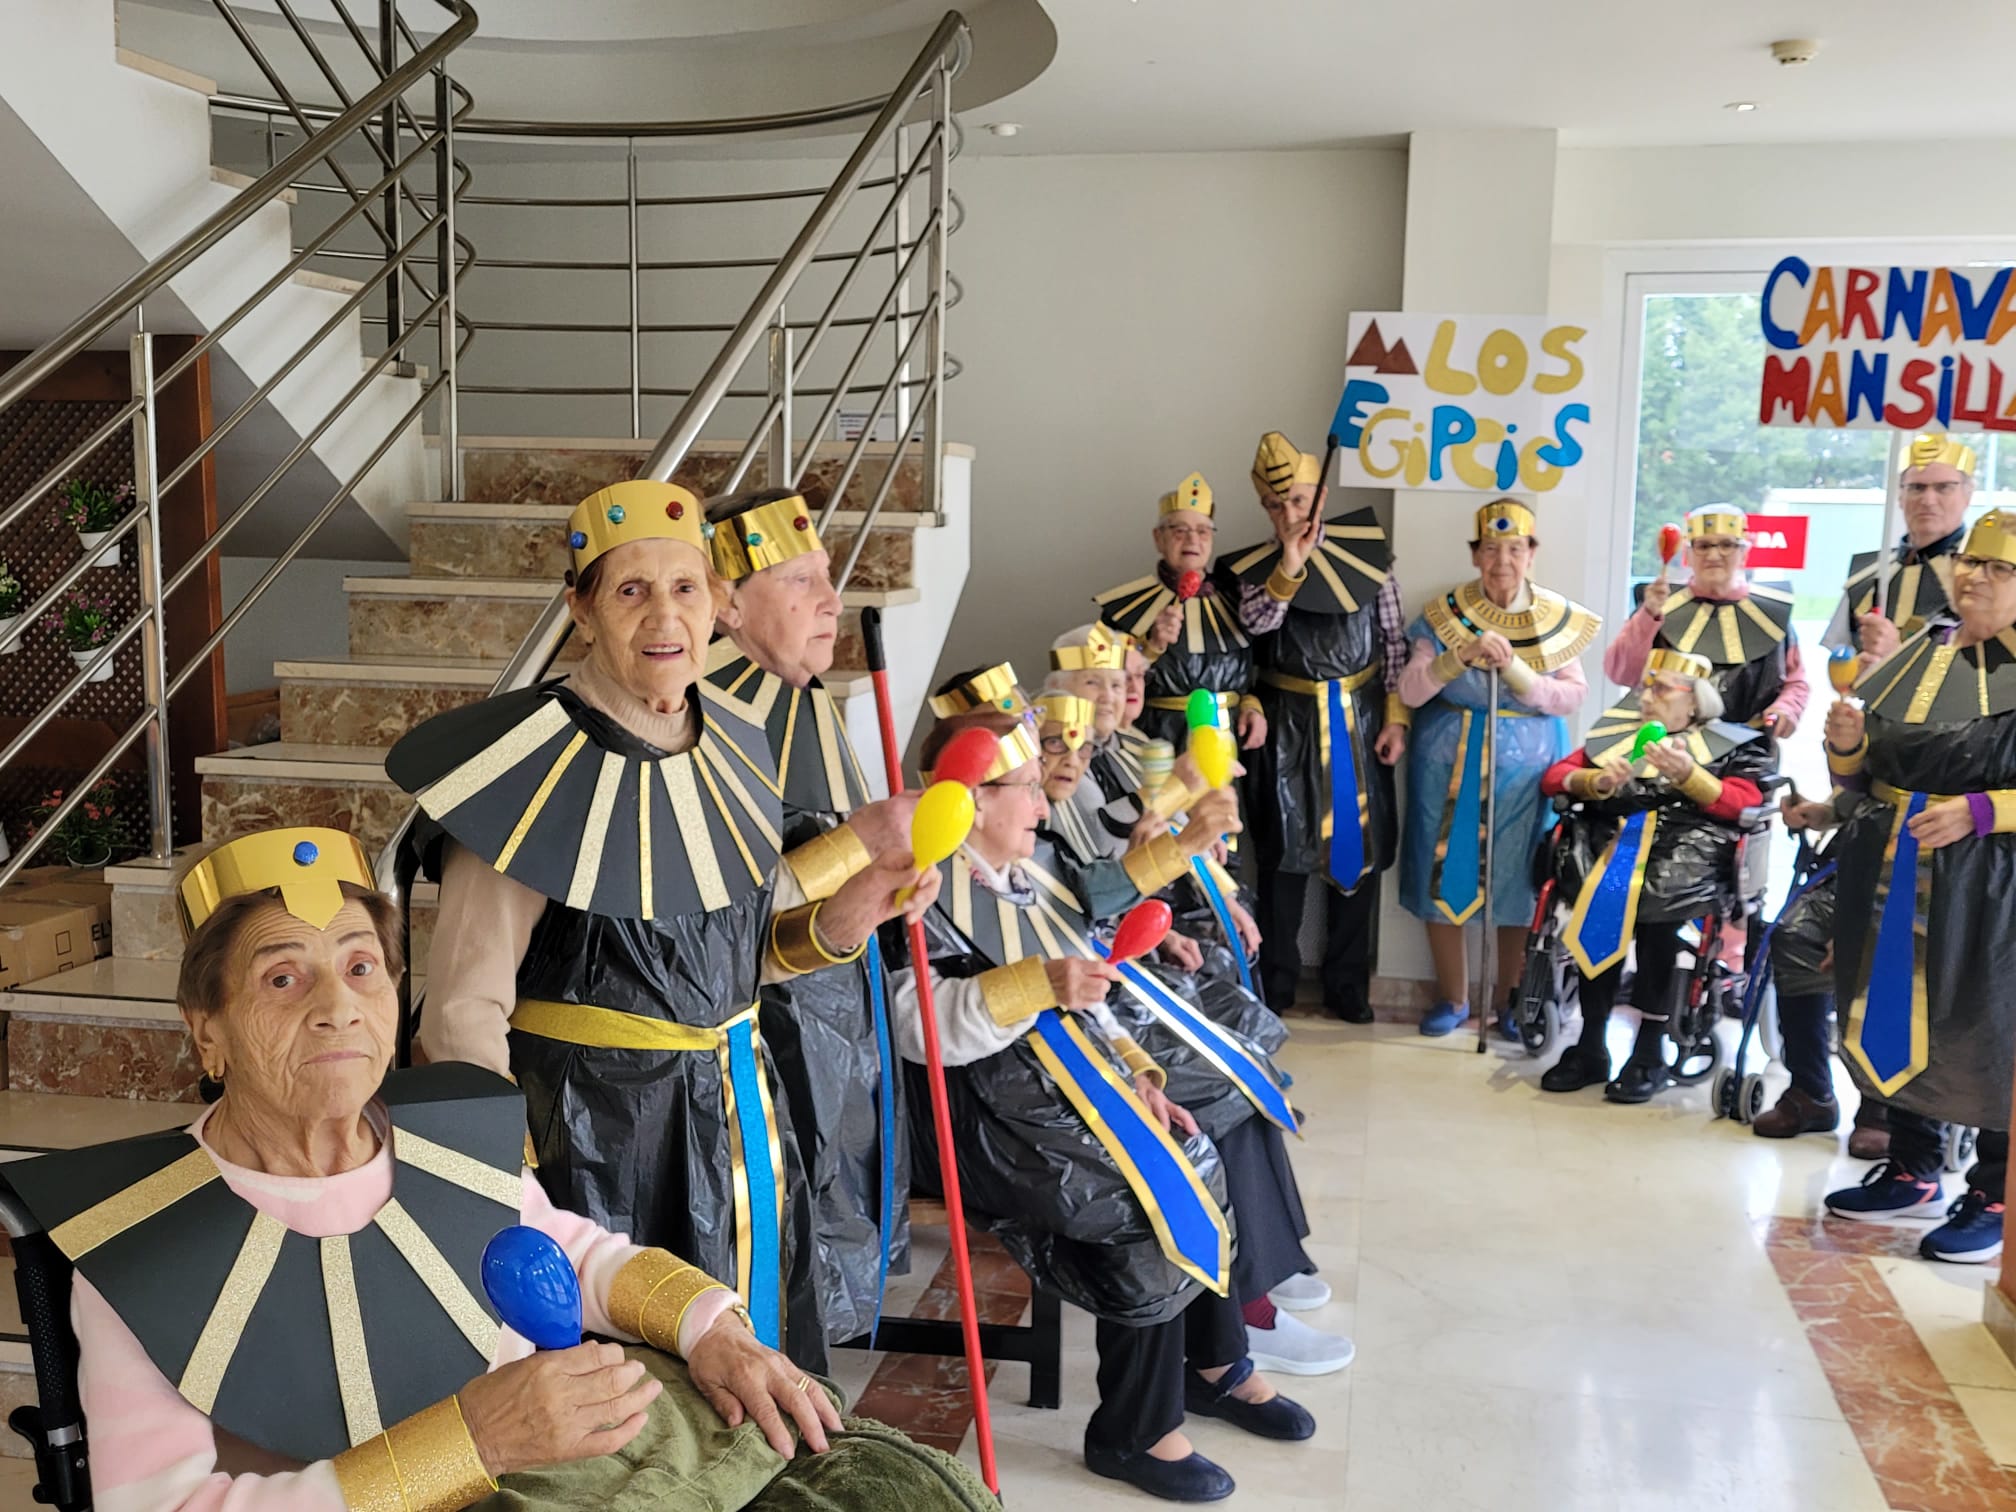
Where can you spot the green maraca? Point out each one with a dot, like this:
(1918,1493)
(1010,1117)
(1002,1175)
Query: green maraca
(1201,709)
(1650,733)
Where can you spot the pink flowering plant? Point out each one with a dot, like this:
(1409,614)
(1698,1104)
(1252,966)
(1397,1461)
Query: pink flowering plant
(89,508)
(93,834)
(12,594)
(83,622)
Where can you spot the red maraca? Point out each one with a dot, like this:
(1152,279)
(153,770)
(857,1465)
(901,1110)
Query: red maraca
(1140,932)
(1189,585)
(1669,543)
(967,758)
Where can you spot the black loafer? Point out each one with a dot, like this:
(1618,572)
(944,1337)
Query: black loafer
(1275,1419)
(1194,1479)
(1639,1081)
(1577,1068)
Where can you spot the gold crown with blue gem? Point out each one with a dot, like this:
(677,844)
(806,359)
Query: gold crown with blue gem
(307,865)
(1507,518)
(645,510)
(991,688)
(1715,522)
(1193,495)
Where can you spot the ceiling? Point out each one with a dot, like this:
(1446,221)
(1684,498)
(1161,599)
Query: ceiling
(1214,75)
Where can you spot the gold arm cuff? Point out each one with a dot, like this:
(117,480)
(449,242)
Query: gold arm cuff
(1172,799)
(795,944)
(1226,884)
(1582,782)
(1702,787)
(1155,864)
(1017,992)
(1519,677)
(1140,1063)
(424,1463)
(2003,800)
(1397,712)
(1447,667)
(1281,587)
(652,1293)
(823,864)
(1248,701)
(1850,763)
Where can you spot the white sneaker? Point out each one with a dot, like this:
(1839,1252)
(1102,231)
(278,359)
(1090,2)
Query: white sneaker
(1300,1294)
(1292,1347)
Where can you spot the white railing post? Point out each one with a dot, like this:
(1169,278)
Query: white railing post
(154,632)
(779,463)
(444,257)
(934,360)
(636,350)
(901,235)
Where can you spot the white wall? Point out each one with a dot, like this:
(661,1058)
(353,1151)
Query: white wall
(304,616)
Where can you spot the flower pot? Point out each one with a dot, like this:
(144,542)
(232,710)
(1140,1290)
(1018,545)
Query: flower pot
(91,539)
(83,659)
(9,641)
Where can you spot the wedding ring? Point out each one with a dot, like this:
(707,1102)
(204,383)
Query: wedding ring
(804,1383)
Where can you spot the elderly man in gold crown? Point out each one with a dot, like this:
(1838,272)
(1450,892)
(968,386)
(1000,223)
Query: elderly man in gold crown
(827,1031)
(332,1222)
(1324,605)
(1187,626)
(607,847)
(1531,639)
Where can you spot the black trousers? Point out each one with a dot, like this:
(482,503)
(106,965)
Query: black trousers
(1658,951)
(1350,938)
(1141,1370)
(1802,1020)
(1918,1144)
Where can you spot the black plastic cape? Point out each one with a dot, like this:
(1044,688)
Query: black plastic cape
(1961,740)
(637,1140)
(1745,640)
(822,1029)
(1212,652)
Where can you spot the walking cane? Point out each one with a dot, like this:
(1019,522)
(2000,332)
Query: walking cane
(1488,767)
(934,1069)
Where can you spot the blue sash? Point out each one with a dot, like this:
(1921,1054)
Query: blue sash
(1600,926)
(1457,884)
(759,1219)
(1887,1030)
(1344,824)
(1194,1234)
(1216,899)
(1204,1035)
(885,1058)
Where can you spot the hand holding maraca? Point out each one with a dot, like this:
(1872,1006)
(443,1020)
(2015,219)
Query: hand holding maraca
(1211,817)
(1844,668)
(1845,727)
(1211,746)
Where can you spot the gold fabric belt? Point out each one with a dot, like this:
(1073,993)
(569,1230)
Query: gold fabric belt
(609,1029)
(1896,797)
(1310,689)
(1226,701)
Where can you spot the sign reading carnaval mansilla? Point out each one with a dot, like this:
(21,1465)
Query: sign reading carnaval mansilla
(1877,348)
(1473,402)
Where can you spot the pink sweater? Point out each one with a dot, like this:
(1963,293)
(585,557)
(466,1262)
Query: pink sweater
(1624,660)
(151,1451)
(1559,692)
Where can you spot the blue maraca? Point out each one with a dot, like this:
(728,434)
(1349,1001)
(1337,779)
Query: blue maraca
(531,1283)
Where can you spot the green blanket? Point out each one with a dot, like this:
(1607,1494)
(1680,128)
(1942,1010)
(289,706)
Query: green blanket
(687,1458)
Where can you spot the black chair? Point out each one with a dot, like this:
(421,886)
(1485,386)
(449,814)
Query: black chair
(54,1426)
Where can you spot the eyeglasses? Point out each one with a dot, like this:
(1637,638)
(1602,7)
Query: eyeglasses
(1716,548)
(1055,745)
(1191,532)
(1944,490)
(1027,789)
(1999,572)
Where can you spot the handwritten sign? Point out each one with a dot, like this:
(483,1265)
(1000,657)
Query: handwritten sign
(1777,541)
(1877,348)
(1494,404)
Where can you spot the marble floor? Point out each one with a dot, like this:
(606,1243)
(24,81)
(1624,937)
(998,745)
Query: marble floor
(1562,1304)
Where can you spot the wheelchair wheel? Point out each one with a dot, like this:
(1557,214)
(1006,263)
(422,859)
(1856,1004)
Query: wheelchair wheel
(1696,1059)
(1721,1095)
(1750,1098)
(1959,1143)
(1770,1033)
(1533,1009)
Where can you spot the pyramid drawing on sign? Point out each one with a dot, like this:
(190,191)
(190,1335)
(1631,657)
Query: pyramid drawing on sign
(1373,352)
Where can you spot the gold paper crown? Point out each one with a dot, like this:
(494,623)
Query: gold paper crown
(1993,536)
(1193,494)
(1924,451)
(1103,651)
(1278,466)
(307,865)
(640,510)
(995,688)
(1677,664)
(1717,520)
(761,537)
(1068,710)
(1504,517)
(1018,748)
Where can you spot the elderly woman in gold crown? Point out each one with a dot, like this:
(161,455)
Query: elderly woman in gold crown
(607,845)
(283,1307)
(1924,943)
(1501,624)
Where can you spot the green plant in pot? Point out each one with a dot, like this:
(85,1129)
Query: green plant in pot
(92,509)
(95,833)
(84,624)
(13,598)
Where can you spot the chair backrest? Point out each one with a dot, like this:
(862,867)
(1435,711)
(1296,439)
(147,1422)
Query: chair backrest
(54,1426)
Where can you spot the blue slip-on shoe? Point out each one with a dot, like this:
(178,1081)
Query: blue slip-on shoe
(1195,1479)
(1971,1234)
(1888,1191)
(1277,1418)
(1444,1018)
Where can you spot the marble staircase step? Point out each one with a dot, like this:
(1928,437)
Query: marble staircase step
(373,700)
(107,1029)
(292,782)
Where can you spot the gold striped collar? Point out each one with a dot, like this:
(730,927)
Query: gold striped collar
(816,765)
(1930,683)
(1728,632)
(1617,727)
(1549,633)
(1345,572)
(1209,623)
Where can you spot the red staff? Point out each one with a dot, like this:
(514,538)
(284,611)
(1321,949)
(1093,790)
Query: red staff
(934,1061)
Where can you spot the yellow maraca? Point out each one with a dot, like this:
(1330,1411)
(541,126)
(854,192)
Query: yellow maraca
(944,813)
(1215,752)
(1843,667)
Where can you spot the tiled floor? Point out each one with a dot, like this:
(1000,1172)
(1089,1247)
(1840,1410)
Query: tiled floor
(1561,1304)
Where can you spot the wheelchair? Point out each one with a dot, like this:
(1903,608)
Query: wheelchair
(54,1425)
(1549,988)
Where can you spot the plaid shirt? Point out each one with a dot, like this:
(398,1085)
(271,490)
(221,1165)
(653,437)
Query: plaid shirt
(1261,613)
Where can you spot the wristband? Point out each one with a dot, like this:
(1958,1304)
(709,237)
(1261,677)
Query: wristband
(1397,712)
(1154,864)
(1140,1063)
(652,1294)
(823,864)
(1017,992)
(1448,666)
(424,1463)
(795,944)
(1281,587)
(1702,787)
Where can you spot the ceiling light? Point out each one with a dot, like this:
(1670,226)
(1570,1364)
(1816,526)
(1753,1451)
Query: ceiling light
(1741,105)
(1005,128)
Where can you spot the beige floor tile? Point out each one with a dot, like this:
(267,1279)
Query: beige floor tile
(1993,1414)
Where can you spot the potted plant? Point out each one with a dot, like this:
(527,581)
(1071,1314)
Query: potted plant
(91,509)
(93,835)
(84,625)
(12,597)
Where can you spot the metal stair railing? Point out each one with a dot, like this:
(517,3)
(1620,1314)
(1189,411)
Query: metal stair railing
(380,114)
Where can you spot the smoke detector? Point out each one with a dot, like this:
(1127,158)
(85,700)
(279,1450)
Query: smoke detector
(1794,52)
(1005,128)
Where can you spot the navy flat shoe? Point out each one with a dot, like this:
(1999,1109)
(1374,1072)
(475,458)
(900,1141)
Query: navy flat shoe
(1276,1419)
(1194,1479)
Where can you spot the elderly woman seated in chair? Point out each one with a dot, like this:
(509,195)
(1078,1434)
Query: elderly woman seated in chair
(283,1306)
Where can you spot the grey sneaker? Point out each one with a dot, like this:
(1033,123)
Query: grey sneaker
(1292,1347)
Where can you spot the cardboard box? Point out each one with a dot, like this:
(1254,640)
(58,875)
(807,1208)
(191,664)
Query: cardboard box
(39,939)
(66,888)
